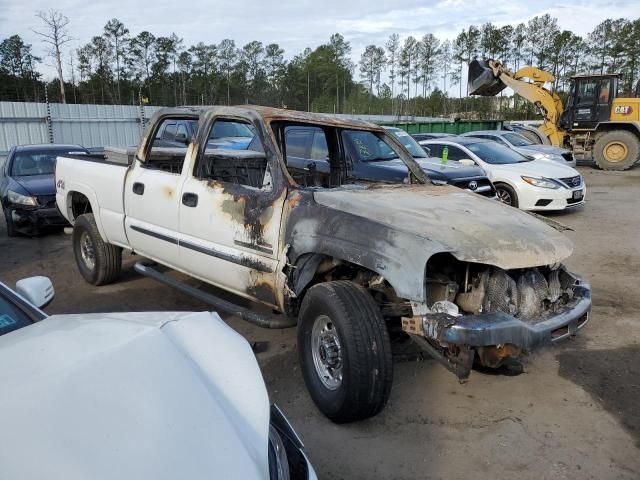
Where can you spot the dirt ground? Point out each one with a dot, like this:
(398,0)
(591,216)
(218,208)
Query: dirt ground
(574,413)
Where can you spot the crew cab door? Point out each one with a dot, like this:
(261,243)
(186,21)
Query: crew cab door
(230,210)
(152,195)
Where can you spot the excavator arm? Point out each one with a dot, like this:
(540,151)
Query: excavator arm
(491,77)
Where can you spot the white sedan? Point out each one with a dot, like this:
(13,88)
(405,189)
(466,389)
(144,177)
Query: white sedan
(520,182)
(526,147)
(146,396)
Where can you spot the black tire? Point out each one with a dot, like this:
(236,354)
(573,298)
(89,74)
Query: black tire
(616,150)
(506,194)
(11,231)
(365,350)
(107,258)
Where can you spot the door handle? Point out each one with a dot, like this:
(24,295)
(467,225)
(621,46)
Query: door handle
(138,188)
(190,199)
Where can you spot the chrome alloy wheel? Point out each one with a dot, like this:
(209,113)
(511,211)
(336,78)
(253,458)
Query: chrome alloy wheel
(87,251)
(327,352)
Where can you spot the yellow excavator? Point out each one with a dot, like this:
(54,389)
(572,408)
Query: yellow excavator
(595,120)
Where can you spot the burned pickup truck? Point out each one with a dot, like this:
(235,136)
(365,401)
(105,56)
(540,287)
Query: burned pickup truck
(351,263)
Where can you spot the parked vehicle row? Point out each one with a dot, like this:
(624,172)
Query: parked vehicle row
(289,222)
(149,395)
(529,184)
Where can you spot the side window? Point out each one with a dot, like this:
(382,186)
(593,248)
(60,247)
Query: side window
(498,139)
(307,155)
(169,132)
(587,90)
(163,153)
(296,141)
(235,155)
(182,130)
(604,91)
(319,148)
(456,154)
(436,149)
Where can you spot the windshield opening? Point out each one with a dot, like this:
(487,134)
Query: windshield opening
(494,153)
(409,143)
(368,147)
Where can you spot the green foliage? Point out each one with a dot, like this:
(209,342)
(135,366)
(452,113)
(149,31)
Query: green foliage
(402,76)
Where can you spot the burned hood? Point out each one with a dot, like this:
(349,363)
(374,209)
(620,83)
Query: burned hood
(472,228)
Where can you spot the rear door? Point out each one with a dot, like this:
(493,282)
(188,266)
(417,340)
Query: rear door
(152,197)
(230,205)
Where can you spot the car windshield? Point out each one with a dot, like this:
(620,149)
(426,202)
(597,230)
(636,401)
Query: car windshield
(409,143)
(11,317)
(368,147)
(517,140)
(494,153)
(40,162)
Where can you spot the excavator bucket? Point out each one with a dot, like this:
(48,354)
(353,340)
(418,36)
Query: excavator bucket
(482,81)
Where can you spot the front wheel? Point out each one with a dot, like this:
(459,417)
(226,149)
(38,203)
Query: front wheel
(98,262)
(616,150)
(507,195)
(345,351)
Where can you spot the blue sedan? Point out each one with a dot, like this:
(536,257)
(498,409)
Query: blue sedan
(27,187)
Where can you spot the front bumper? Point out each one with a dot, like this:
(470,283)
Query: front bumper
(498,328)
(33,219)
(546,199)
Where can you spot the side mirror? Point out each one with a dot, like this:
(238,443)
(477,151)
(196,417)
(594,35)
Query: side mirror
(467,161)
(182,138)
(37,290)
(426,149)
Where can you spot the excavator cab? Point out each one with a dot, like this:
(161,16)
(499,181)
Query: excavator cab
(589,102)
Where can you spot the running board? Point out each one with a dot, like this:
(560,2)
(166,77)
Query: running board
(264,321)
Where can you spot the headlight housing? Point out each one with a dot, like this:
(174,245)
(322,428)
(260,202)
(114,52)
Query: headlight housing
(19,199)
(541,182)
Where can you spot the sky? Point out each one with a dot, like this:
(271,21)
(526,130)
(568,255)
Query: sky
(296,24)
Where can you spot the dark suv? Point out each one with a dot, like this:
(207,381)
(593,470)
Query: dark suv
(370,159)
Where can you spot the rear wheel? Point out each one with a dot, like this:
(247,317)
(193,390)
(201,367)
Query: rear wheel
(11,231)
(98,262)
(345,352)
(616,150)
(506,194)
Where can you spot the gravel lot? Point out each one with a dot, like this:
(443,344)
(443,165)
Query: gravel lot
(574,413)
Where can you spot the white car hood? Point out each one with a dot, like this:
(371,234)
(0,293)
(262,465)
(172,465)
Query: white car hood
(537,168)
(131,396)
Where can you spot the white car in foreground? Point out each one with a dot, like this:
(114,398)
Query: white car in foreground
(520,182)
(143,396)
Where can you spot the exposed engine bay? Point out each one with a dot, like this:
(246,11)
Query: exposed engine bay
(528,294)
(488,315)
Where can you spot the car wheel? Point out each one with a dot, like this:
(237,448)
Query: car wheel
(507,195)
(345,351)
(616,150)
(99,262)
(11,230)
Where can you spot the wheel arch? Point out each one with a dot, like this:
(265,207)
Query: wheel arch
(605,127)
(80,201)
